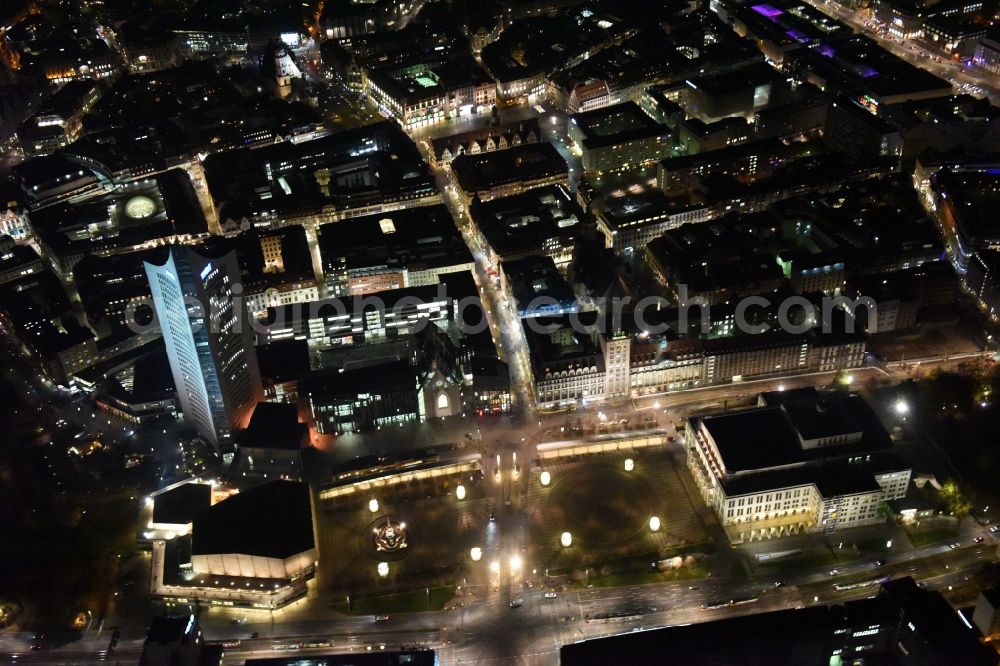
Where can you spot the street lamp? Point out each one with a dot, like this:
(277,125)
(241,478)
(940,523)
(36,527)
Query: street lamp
(383,569)
(495,567)
(515,563)
(629,464)
(373,505)
(566,539)
(476,553)
(460,492)
(654,524)
(902,408)
(546,478)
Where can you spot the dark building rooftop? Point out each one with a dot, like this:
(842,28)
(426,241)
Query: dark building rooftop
(945,637)
(542,43)
(490,374)
(39,309)
(283,360)
(272,520)
(15,256)
(799,636)
(147,380)
(651,54)
(787,24)
(140,212)
(351,169)
(815,415)
(616,124)
(414,238)
(396,375)
(909,625)
(527,223)
(180,505)
(992,595)
(563,348)
(809,435)
(414,43)
(974,197)
(858,67)
(274,425)
(538,287)
(524,163)
(756,439)
(68,100)
(446,76)
(831,478)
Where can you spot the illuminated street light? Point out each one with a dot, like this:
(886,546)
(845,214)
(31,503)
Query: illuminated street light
(383,569)
(566,539)
(476,553)
(495,566)
(460,492)
(629,464)
(546,478)
(654,524)
(515,563)
(373,505)
(902,408)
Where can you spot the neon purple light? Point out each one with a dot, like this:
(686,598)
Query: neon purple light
(826,50)
(797,36)
(767,10)
(867,72)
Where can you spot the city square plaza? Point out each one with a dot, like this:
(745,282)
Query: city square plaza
(409,526)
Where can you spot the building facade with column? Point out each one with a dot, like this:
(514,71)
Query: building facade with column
(571,366)
(800,462)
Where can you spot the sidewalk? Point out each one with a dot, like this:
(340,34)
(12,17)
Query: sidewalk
(860,544)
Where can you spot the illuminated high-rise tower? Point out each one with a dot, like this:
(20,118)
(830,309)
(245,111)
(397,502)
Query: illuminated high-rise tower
(208,339)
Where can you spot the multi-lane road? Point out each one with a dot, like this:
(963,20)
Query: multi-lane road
(490,631)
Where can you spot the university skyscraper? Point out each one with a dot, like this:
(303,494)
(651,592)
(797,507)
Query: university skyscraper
(208,341)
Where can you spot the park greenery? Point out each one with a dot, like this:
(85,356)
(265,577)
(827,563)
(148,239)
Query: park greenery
(955,501)
(66,522)
(959,413)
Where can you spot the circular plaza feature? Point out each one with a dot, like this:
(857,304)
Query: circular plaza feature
(601,504)
(140,207)
(391,538)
